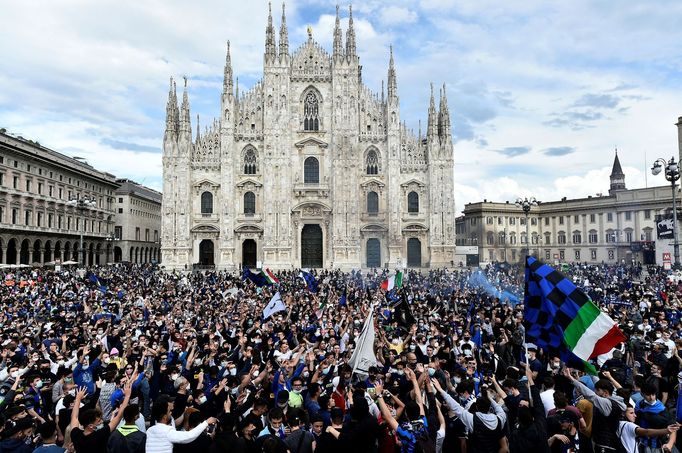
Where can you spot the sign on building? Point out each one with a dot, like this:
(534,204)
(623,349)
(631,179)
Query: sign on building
(665,229)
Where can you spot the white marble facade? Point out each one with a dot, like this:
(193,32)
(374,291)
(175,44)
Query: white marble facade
(308,168)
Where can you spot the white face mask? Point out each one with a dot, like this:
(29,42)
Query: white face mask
(14,374)
(107,360)
(39,384)
(201,400)
(233,371)
(223,364)
(174,376)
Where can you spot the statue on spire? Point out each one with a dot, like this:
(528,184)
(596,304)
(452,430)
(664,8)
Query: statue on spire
(392,82)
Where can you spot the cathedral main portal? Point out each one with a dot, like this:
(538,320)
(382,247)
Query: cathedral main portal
(311,246)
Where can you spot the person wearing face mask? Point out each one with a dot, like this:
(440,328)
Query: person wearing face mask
(606,414)
(16,436)
(89,433)
(652,414)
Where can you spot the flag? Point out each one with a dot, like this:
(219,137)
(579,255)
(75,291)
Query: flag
(477,338)
(394,281)
(343,301)
(94,279)
(559,315)
(320,307)
(257,278)
(363,356)
(276,304)
(403,314)
(269,276)
(309,281)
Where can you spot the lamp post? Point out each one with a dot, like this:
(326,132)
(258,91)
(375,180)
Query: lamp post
(82,203)
(672,174)
(526,204)
(110,240)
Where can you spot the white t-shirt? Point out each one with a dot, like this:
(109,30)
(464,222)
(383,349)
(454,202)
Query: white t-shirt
(627,435)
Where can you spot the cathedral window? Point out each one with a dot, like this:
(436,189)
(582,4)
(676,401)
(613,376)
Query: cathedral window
(311,108)
(249,203)
(372,203)
(372,163)
(413,203)
(207,203)
(250,162)
(311,171)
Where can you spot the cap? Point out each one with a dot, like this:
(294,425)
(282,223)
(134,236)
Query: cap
(531,347)
(113,351)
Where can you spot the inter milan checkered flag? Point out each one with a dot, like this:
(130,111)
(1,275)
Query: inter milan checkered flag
(559,315)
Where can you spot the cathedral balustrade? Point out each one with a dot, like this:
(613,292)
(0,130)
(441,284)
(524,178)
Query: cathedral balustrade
(311,190)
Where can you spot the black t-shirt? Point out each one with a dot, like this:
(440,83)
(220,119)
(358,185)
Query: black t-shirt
(96,441)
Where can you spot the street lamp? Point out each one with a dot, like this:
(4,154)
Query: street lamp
(82,203)
(526,204)
(110,238)
(672,174)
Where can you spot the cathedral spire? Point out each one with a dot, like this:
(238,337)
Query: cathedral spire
(283,36)
(432,126)
(227,80)
(350,35)
(444,116)
(185,124)
(171,108)
(392,82)
(270,45)
(338,37)
(198,130)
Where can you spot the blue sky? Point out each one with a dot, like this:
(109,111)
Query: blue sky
(541,92)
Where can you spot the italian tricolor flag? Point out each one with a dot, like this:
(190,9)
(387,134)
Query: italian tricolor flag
(393,282)
(592,332)
(269,276)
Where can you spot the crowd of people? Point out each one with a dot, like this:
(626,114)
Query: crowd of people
(136,359)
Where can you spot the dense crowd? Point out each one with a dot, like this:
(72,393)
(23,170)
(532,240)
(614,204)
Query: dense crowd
(135,359)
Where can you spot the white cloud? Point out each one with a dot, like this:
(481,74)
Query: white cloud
(91,77)
(396,15)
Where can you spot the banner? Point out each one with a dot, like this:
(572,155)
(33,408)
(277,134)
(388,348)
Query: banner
(665,229)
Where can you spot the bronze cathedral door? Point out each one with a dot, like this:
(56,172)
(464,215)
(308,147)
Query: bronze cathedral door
(311,246)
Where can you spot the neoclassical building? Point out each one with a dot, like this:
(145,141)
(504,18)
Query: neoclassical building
(611,228)
(308,167)
(38,225)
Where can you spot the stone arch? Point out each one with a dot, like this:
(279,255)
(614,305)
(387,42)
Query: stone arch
(24,252)
(66,256)
(98,252)
(311,170)
(249,160)
(132,255)
(57,250)
(36,256)
(91,253)
(372,159)
(207,202)
(311,109)
(12,253)
(47,253)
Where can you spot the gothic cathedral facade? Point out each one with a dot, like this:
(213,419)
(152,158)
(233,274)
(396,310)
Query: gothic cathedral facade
(308,168)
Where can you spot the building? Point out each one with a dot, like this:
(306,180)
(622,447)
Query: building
(307,168)
(38,225)
(618,227)
(137,223)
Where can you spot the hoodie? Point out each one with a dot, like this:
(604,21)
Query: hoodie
(15,446)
